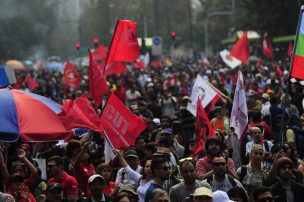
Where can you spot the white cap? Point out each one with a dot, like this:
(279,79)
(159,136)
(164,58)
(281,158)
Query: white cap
(94,177)
(220,196)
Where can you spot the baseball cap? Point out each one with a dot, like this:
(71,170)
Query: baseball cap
(94,177)
(127,188)
(220,196)
(131,153)
(53,186)
(203,191)
(166,131)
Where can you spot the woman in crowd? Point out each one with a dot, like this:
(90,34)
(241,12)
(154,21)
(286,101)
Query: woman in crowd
(143,181)
(105,171)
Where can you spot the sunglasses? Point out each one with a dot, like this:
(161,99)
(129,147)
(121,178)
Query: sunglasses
(219,164)
(267,199)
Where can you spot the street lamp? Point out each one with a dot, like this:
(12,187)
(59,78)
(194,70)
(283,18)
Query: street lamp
(206,25)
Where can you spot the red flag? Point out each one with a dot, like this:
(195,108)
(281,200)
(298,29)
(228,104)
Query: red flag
(267,50)
(115,68)
(97,83)
(124,46)
(120,124)
(279,71)
(99,53)
(71,77)
(240,50)
(139,65)
(203,128)
(289,51)
(80,114)
(32,84)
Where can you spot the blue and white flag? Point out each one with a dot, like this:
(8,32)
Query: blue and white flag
(7,76)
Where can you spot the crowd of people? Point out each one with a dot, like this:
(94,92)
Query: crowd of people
(265,165)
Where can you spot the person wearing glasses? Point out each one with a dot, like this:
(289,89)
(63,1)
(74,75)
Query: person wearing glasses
(204,166)
(160,169)
(286,189)
(184,189)
(56,174)
(220,180)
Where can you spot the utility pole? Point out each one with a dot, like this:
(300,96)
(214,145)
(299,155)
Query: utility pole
(156,17)
(189,2)
(145,20)
(206,26)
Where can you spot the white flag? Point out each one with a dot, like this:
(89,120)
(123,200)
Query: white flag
(109,155)
(229,60)
(202,89)
(239,113)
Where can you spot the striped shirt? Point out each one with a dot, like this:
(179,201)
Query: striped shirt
(204,165)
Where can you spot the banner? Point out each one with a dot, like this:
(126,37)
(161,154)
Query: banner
(240,50)
(203,128)
(7,76)
(229,60)
(204,91)
(120,124)
(80,114)
(239,113)
(124,46)
(98,86)
(71,77)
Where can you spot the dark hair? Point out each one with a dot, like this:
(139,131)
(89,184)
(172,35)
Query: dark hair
(186,161)
(239,193)
(156,163)
(275,148)
(139,138)
(121,195)
(213,140)
(71,146)
(151,146)
(256,115)
(58,160)
(144,176)
(166,117)
(258,191)
(164,141)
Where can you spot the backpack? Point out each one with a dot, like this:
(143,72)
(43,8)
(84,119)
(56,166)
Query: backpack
(230,178)
(243,172)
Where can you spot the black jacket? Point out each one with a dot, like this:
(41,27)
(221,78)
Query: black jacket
(279,192)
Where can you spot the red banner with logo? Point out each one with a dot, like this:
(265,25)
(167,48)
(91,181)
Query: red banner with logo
(120,124)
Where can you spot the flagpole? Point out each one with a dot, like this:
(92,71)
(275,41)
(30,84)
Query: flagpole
(108,139)
(104,68)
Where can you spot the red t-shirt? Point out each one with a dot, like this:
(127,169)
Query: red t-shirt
(82,174)
(68,183)
(28,197)
(108,190)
